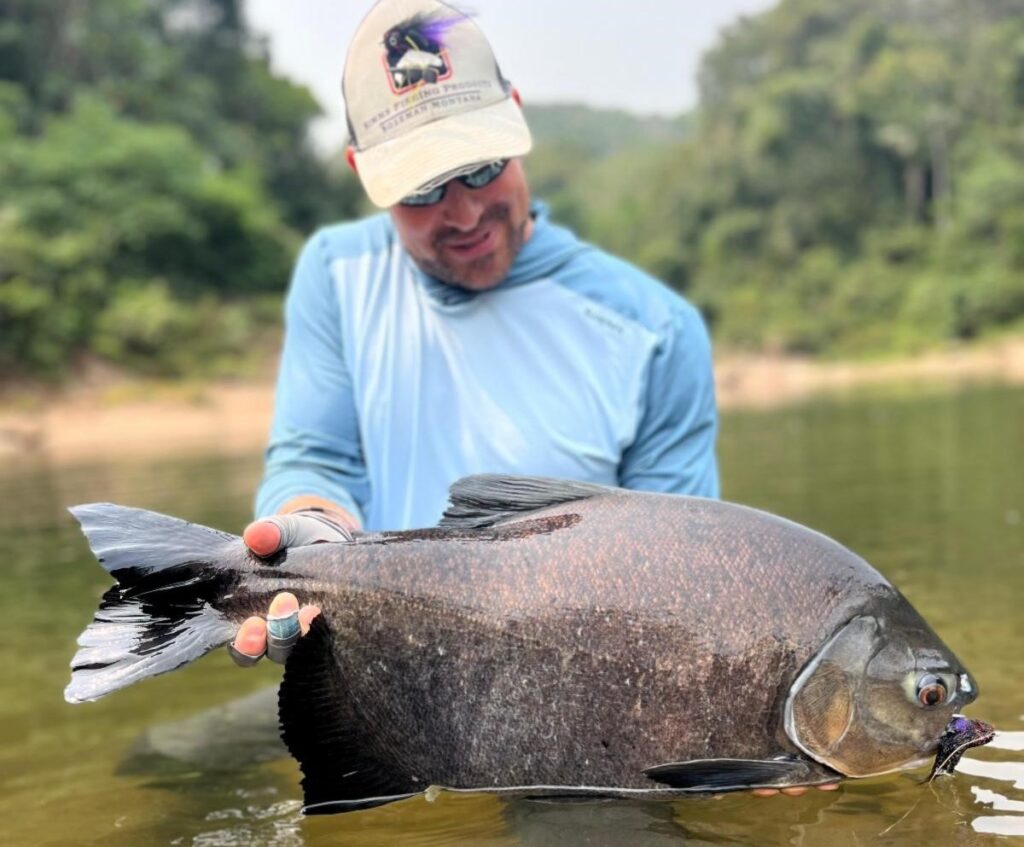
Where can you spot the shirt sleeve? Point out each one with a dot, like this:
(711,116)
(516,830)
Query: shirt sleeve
(674,448)
(314,448)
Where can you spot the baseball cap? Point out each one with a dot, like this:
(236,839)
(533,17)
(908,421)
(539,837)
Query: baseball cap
(425,99)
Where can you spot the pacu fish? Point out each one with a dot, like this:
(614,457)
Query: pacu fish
(549,638)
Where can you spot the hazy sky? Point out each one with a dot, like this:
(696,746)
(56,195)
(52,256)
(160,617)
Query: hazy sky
(640,55)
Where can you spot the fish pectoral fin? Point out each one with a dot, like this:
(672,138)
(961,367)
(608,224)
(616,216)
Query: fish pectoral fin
(476,502)
(342,765)
(715,775)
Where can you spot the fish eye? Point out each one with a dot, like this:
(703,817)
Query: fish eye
(931,690)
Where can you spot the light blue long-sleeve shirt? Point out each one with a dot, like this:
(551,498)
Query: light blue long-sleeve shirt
(393,385)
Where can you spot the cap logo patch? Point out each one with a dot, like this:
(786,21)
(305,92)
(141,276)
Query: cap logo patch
(415,53)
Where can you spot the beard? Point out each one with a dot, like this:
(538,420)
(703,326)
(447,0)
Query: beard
(483,272)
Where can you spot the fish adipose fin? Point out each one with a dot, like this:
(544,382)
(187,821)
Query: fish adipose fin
(158,616)
(716,775)
(486,499)
(322,729)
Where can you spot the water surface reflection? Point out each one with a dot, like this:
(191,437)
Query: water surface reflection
(928,488)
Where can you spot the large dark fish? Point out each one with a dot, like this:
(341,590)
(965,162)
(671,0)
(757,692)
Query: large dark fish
(549,638)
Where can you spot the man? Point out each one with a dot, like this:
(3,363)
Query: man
(462,332)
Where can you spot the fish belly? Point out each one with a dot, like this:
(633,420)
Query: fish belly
(575,698)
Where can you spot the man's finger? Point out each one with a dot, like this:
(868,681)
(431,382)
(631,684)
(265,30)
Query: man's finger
(309,527)
(262,537)
(283,605)
(268,535)
(306,615)
(282,633)
(274,637)
(793,791)
(283,627)
(250,642)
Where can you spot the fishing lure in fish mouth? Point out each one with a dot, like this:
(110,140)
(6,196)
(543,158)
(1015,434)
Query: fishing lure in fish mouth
(961,734)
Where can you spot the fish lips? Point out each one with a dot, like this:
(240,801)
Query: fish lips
(960,736)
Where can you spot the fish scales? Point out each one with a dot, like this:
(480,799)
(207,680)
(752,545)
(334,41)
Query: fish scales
(530,625)
(552,638)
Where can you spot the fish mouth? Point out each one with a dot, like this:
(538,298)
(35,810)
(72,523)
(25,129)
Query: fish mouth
(960,736)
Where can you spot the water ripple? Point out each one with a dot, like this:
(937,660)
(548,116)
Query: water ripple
(1005,771)
(1007,741)
(999,825)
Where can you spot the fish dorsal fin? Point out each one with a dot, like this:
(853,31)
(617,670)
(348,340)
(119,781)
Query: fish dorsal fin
(486,499)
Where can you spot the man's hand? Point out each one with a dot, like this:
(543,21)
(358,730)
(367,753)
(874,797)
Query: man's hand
(296,529)
(795,791)
(253,641)
(286,621)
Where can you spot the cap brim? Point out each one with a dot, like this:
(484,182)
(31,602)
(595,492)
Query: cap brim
(397,168)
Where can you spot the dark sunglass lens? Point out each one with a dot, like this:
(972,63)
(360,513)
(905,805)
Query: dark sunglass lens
(428,199)
(477,179)
(485,175)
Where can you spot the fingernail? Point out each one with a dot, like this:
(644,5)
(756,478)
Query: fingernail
(262,537)
(283,605)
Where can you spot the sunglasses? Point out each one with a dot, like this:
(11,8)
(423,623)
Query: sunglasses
(479,178)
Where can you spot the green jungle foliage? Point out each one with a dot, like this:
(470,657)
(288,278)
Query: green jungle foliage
(851,183)
(155,179)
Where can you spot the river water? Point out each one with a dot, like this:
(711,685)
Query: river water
(927,485)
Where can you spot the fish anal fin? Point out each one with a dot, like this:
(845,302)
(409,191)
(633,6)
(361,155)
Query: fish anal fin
(486,499)
(717,775)
(323,730)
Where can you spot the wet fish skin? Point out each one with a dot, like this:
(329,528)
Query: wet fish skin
(530,627)
(506,643)
(572,646)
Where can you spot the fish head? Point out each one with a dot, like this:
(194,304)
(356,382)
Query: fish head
(878,696)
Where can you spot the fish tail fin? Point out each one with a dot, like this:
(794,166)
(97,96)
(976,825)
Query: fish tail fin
(160,614)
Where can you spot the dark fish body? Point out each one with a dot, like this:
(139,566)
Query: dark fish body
(508,652)
(553,638)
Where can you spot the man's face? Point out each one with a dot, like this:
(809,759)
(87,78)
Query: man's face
(472,236)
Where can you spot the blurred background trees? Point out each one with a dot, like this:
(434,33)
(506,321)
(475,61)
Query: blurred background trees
(155,177)
(851,183)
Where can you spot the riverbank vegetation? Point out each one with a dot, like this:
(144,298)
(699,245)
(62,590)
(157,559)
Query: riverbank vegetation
(155,175)
(851,183)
